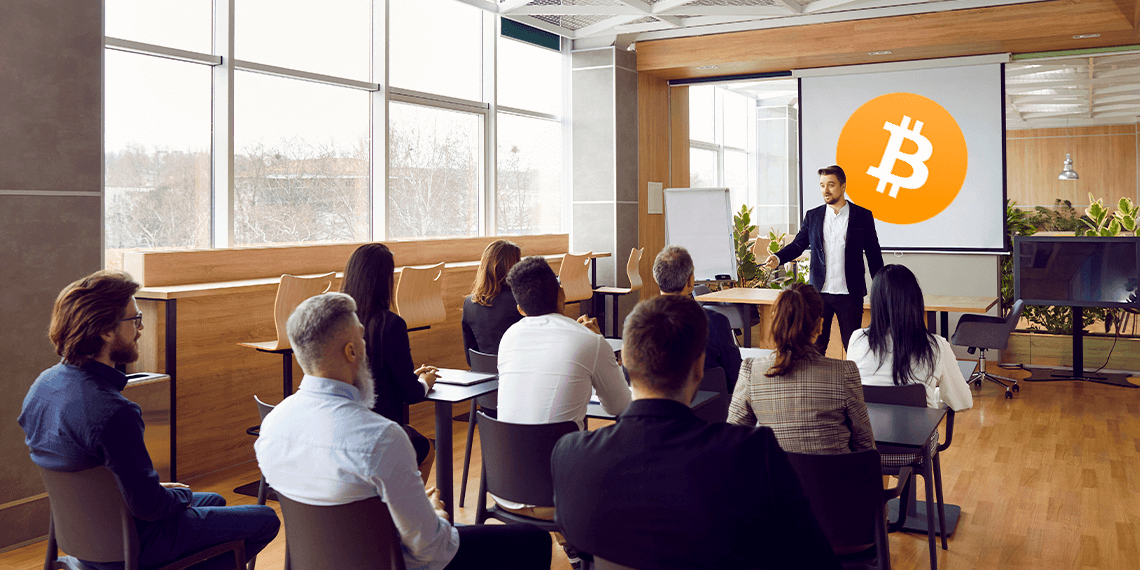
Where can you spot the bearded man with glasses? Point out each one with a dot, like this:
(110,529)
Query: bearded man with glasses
(76,418)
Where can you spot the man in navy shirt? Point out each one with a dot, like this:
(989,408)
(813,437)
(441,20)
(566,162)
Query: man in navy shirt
(673,271)
(76,418)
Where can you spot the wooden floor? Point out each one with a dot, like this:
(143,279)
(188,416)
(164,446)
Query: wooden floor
(1050,479)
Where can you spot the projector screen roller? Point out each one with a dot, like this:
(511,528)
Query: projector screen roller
(922,149)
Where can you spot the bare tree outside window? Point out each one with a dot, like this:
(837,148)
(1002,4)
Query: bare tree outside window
(434,172)
(528,198)
(300,192)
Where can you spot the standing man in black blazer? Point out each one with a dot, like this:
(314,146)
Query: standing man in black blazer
(663,489)
(839,234)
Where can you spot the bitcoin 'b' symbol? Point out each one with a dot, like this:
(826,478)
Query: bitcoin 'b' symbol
(893,152)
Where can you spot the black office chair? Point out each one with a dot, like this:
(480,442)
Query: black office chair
(986,333)
(489,364)
(895,459)
(90,521)
(354,535)
(715,410)
(516,467)
(847,497)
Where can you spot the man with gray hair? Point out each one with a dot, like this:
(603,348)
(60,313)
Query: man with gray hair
(673,271)
(325,446)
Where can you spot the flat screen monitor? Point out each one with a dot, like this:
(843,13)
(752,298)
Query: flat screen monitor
(1077,271)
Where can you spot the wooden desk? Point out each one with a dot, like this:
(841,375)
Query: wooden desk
(444,395)
(943,304)
(911,427)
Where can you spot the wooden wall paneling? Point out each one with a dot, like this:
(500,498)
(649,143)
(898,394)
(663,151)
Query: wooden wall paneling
(165,268)
(653,125)
(1040,26)
(1104,157)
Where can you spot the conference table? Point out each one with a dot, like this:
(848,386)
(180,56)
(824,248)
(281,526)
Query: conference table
(911,427)
(936,306)
(445,395)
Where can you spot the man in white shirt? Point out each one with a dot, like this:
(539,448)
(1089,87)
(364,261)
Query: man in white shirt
(548,363)
(839,233)
(325,446)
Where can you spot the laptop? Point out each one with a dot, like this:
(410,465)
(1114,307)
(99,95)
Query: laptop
(462,377)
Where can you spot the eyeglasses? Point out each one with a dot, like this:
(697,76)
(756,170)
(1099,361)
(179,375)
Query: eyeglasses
(137,319)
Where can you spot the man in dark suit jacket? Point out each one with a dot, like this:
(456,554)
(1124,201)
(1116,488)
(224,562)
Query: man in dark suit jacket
(673,271)
(839,233)
(663,489)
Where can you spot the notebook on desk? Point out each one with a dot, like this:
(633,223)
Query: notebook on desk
(462,377)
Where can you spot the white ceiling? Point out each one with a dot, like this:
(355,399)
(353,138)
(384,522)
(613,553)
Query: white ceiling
(657,19)
(1081,91)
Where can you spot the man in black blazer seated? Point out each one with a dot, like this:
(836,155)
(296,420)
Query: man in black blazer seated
(839,233)
(661,488)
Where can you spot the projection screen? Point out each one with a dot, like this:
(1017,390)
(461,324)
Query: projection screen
(924,150)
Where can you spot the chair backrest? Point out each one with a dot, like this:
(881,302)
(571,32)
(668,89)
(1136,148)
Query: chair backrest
(292,291)
(516,459)
(846,494)
(419,296)
(716,410)
(483,362)
(1014,315)
(633,269)
(88,515)
(354,535)
(909,395)
(263,409)
(574,274)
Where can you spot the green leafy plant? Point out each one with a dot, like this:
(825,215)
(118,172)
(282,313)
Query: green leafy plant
(1126,213)
(747,272)
(1062,217)
(1057,320)
(1100,222)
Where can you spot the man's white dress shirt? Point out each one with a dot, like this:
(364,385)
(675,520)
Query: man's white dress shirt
(547,367)
(321,446)
(834,249)
(943,384)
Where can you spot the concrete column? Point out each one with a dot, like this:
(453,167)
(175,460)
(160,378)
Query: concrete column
(51,221)
(604,187)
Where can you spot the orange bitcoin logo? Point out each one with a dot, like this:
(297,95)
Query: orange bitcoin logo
(905,157)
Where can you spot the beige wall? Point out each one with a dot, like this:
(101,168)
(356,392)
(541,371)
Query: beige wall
(51,57)
(1104,157)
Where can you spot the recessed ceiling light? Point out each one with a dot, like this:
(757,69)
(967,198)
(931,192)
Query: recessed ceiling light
(1086,36)
(888,52)
(709,67)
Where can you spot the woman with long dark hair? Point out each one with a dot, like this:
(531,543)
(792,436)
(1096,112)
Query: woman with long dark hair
(897,349)
(491,309)
(368,279)
(814,404)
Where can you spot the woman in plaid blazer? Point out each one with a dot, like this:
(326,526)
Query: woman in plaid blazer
(814,404)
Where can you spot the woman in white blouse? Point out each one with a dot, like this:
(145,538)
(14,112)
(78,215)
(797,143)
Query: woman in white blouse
(897,349)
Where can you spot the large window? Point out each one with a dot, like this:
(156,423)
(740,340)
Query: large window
(347,121)
(529,132)
(742,136)
(157,157)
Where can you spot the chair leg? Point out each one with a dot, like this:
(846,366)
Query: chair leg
(941,503)
(467,453)
(52,553)
(928,475)
(481,501)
